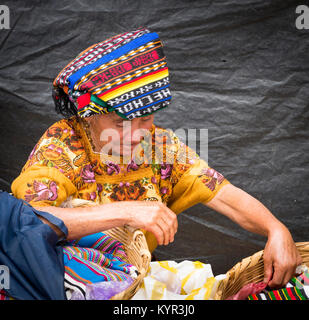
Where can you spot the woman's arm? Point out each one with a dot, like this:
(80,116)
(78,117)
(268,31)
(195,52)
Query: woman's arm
(151,216)
(281,256)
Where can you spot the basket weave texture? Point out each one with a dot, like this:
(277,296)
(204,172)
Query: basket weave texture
(251,270)
(136,248)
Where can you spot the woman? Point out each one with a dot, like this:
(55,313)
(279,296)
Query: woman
(117,85)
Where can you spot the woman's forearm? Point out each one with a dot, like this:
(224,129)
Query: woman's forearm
(245,210)
(82,221)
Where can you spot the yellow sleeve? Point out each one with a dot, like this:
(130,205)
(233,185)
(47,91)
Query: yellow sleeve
(56,169)
(42,186)
(193,180)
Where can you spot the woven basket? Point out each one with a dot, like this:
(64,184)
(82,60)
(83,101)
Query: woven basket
(135,246)
(251,269)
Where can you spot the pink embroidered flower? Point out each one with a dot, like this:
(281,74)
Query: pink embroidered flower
(87,174)
(154,180)
(99,188)
(132,165)
(211,178)
(124,184)
(43,191)
(59,150)
(166,170)
(163,190)
(112,167)
(212,173)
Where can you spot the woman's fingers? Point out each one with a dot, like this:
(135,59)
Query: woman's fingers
(164,229)
(158,233)
(156,218)
(277,279)
(268,269)
(174,221)
(169,218)
(168,230)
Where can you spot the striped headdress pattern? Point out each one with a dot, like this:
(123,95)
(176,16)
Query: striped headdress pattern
(126,73)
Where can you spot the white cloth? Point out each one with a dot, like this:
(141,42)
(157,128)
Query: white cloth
(187,280)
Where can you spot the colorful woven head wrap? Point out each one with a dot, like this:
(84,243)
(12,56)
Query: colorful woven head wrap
(126,73)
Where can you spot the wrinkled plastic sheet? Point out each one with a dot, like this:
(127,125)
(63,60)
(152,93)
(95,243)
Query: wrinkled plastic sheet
(238,69)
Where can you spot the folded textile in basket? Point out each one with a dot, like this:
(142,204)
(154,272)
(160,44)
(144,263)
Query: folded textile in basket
(248,289)
(187,280)
(91,262)
(296,289)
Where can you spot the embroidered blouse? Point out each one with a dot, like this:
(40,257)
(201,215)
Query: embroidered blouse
(63,164)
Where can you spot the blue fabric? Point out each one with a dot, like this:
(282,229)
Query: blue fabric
(113,55)
(31,250)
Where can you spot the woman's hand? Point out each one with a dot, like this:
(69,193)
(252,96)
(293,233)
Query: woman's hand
(281,258)
(153,216)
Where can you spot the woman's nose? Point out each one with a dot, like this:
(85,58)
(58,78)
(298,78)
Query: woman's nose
(135,130)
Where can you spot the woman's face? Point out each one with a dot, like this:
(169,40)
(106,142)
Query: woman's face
(117,134)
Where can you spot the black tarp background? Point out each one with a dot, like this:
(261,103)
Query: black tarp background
(237,68)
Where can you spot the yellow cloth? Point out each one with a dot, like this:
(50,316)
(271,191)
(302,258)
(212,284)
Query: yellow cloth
(63,164)
(187,280)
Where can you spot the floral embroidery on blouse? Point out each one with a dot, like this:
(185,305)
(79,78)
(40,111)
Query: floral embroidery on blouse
(210,177)
(41,190)
(161,165)
(128,191)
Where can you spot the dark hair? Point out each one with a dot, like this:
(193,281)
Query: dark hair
(63,104)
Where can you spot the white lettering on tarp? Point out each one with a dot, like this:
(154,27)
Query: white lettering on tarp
(4,277)
(4,17)
(302,21)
